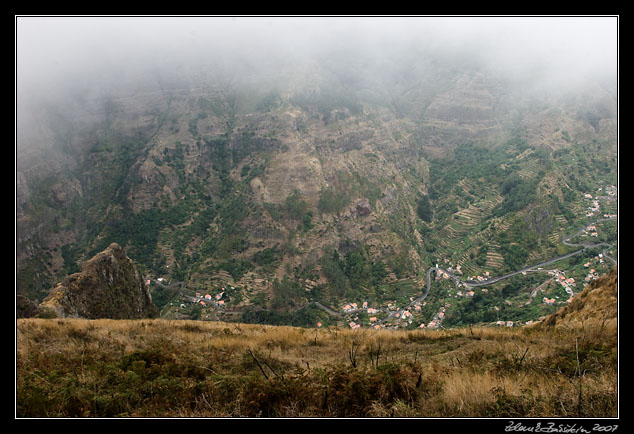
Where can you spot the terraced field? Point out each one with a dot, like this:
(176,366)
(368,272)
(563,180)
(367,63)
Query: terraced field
(457,239)
(494,258)
(469,268)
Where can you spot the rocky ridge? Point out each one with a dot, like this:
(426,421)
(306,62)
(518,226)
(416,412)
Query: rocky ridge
(108,286)
(194,178)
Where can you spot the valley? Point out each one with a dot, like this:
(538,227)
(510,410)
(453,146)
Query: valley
(292,219)
(317,217)
(389,315)
(292,188)
(72,367)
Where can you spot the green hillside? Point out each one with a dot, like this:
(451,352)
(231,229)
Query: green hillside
(292,196)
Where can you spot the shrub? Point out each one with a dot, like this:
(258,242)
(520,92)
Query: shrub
(330,202)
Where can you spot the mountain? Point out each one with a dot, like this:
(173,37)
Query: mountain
(108,286)
(285,182)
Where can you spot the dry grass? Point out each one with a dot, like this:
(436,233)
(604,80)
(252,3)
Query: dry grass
(75,367)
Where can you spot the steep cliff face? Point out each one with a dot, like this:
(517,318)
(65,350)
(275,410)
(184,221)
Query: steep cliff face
(108,286)
(213,184)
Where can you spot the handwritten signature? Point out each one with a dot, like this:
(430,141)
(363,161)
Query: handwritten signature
(551,427)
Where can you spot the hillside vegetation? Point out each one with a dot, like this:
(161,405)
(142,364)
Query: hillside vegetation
(287,205)
(320,189)
(317,216)
(160,368)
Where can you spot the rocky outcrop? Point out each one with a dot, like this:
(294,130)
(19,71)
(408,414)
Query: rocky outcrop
(108,286)
(363,207)
(25,307)
(540,220)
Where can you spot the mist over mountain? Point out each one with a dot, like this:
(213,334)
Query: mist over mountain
(79,59)
(289,161)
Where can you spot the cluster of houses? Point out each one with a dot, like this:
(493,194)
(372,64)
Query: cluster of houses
(566,283)
(469,293)
(505,323)
(595,207)
(437,319)
(208,299)
(353,307)
(600,258)
(406,314)
(451,269)
(591,230)
(592,210)
(440,274)
(592,274)
(611,190)
(354,325)
(481,278)
(350,307)
(465,290)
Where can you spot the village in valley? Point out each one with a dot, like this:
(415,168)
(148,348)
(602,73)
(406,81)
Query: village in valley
(558,289)
(207,299)
(450,287)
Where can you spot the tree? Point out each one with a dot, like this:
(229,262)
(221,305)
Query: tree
(330,201)
(423,209)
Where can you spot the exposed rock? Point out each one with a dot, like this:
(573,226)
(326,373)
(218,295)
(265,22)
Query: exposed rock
(363,207)
(108,286)
(25,307)
(376,228)
(389,194)
(63,192)
(149,159)
(540,220)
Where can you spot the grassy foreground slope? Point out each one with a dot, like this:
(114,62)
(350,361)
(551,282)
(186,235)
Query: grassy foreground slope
(158,368)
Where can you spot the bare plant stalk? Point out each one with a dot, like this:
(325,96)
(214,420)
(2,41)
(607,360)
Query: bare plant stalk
(519,363)
(580,379)
(258,363)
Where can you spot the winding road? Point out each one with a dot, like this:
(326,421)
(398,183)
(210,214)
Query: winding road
(472,283)
(467,283)
(169,286)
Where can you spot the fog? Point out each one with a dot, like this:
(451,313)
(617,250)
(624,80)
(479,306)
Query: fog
(96,56)
(49,49)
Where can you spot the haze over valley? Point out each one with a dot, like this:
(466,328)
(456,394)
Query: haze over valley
(298,165)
